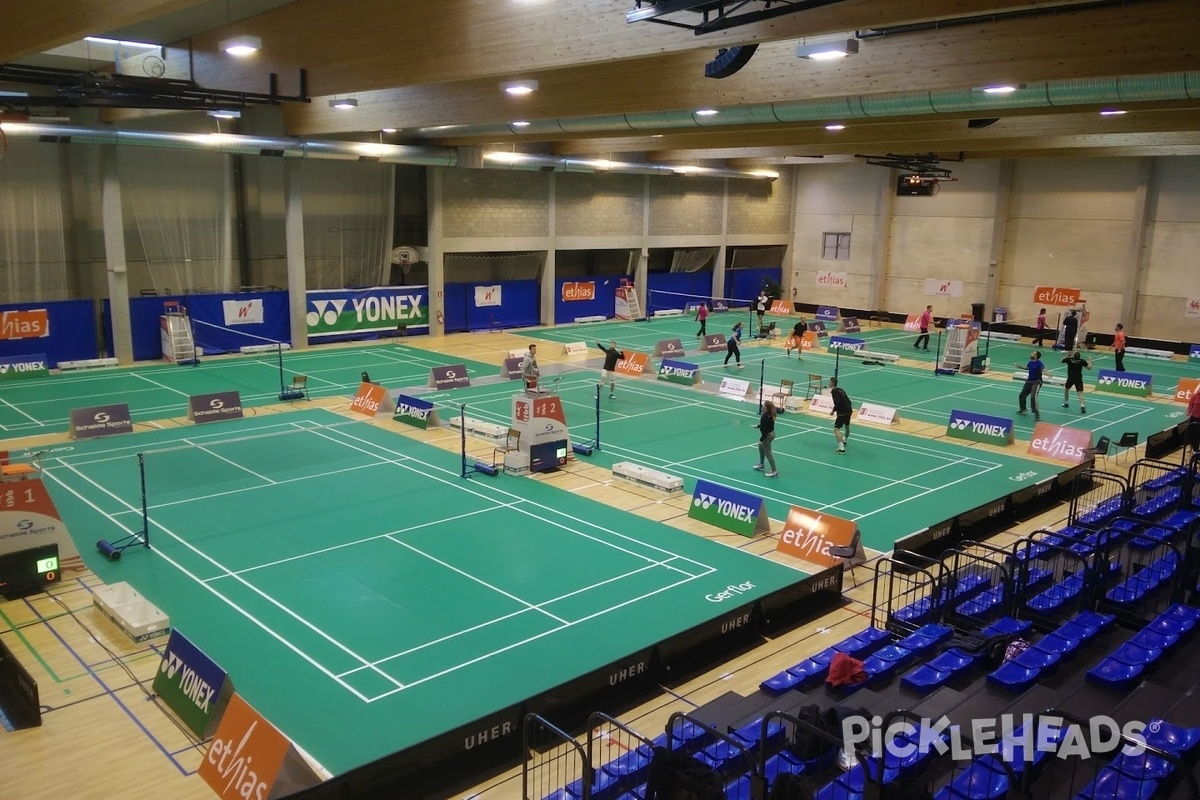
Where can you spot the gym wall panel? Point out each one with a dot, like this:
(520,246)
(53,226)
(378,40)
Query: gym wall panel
(1170,275)
(835,198)
(493,203)
(685,205)
(942,248)
(347,223)
(33,231)
(598,205)
(1080,188)
(761,207)
(603,304)
(72,332)
(838,188)
(745,284)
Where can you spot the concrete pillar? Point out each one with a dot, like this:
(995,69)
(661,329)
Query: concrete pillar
(113,224)
(1137,245)
(718,278)
(437,267)
(999,232)
(293,234)
(548,264)
(882,249)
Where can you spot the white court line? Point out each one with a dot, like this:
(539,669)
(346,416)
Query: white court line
(204,449)
(364,540)
(139,376)
(924,489)
(510,615)
(528,605)
(928,491)
(36,421)
(196,579)
(534,638)
(237,578)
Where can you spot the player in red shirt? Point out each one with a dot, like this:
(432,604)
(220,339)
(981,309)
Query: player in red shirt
(926,319)
(1119,347)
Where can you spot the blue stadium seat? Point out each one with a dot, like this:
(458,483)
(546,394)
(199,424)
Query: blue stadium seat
(1058,594)
(1130,653)
(1181,519)
(1150,639)
(1008,626)
(915,613)
(1116,675)
(980,782)
(781,682)
(750,735)
(1141,767)
(1056,644)
(1171,738)
(854,646)
(630,766)
(924,679)
(725,758)
(982,604)
(925,638)
(1112,785)
(1093,620)
(1040,660)
(1013,676)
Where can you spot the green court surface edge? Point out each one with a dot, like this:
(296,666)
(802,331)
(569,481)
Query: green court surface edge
(161,391)
(383,600)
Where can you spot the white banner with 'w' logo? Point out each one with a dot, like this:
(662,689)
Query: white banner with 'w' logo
(243,312)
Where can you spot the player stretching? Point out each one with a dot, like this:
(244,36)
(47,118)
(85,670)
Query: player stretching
(611,356)
(1075,366)
(843,409)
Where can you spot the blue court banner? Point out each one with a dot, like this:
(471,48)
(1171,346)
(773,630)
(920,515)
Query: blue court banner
(416,412)
(731,509)
(828,313)
(1194,353)
(850,325)
(1134,383)
(192,685)
(682,372)
(980,428)
(846,343)
(819,329)
(17,368)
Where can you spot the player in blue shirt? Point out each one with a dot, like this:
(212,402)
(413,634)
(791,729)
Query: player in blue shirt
(1033,384)
(731,346)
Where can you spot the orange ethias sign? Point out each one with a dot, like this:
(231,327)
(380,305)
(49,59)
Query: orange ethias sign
(578,290)
(809,535)
(807,342)
(369,398)
(781,307)
(634,364)
(1060,443)
(31,324)
(246,754)
(1186,388)
(1055,296)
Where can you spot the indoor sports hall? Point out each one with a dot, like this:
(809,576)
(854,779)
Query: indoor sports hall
(654,400)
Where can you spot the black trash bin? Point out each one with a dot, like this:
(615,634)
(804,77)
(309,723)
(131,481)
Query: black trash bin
(977,312)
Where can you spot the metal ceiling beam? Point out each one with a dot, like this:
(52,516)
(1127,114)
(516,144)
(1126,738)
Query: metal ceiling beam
(719,16)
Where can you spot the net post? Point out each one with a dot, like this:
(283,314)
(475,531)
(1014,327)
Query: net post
(837,361)
(279,353)
(462,426)
(145,508)
(597,444)
(937,359)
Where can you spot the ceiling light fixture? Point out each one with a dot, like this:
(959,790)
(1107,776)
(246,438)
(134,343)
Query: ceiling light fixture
(827,51)
(388,130)
(520,123)
(224,113)
(121,42)
(508,158)
(707,112)
(343,103)
(242,46)
(999,89)
(835,126)
(519,88)
(1112,112)
(656,136)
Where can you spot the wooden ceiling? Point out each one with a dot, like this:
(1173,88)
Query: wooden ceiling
(417,66)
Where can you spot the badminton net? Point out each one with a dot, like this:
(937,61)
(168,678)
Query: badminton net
(213,339)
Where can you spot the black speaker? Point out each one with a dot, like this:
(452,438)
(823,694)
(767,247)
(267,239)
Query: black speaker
(729,60)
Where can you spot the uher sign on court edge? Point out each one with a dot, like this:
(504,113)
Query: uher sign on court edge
(731,509)
(451,376)
(876,414)
(416,412)
(1060,443)
(249,759)
(678,372)
(734,387)
(668,348)
(1133,383)
(980,428)
(192,685)
(347,312)
(213,407)
(88,423)
(809,534)
(17,368)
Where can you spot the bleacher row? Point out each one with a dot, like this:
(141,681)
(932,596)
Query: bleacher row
(1102,611)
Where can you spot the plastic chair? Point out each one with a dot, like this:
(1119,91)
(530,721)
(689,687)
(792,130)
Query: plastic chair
(815,384)
(780,397)
(299,387)
(1128,441)
(1103,445)
(852,554)
(512,442)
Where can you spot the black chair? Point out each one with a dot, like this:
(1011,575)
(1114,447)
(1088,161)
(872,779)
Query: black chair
(851,554)
(1129,441)
(1103,445)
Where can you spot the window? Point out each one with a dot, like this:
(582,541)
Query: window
(835,246)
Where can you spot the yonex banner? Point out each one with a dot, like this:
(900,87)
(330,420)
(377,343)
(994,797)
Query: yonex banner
(850,325)
(87,423)
(192,685)
(846,343)
(809,534)
(250,758)
(731,509)
(1134,383)
(980,428)
(369,400)
(416,412)
(633,365)
(828,314)
(213,407)
(713,343)
(18,368)
(344,312)
(33,323)
(678,372)
(1194,353)
(668,348)
(452,376)
(1185,389)
(511,369)
(817,329)
(781,307)
(1060,443)
(243,312)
